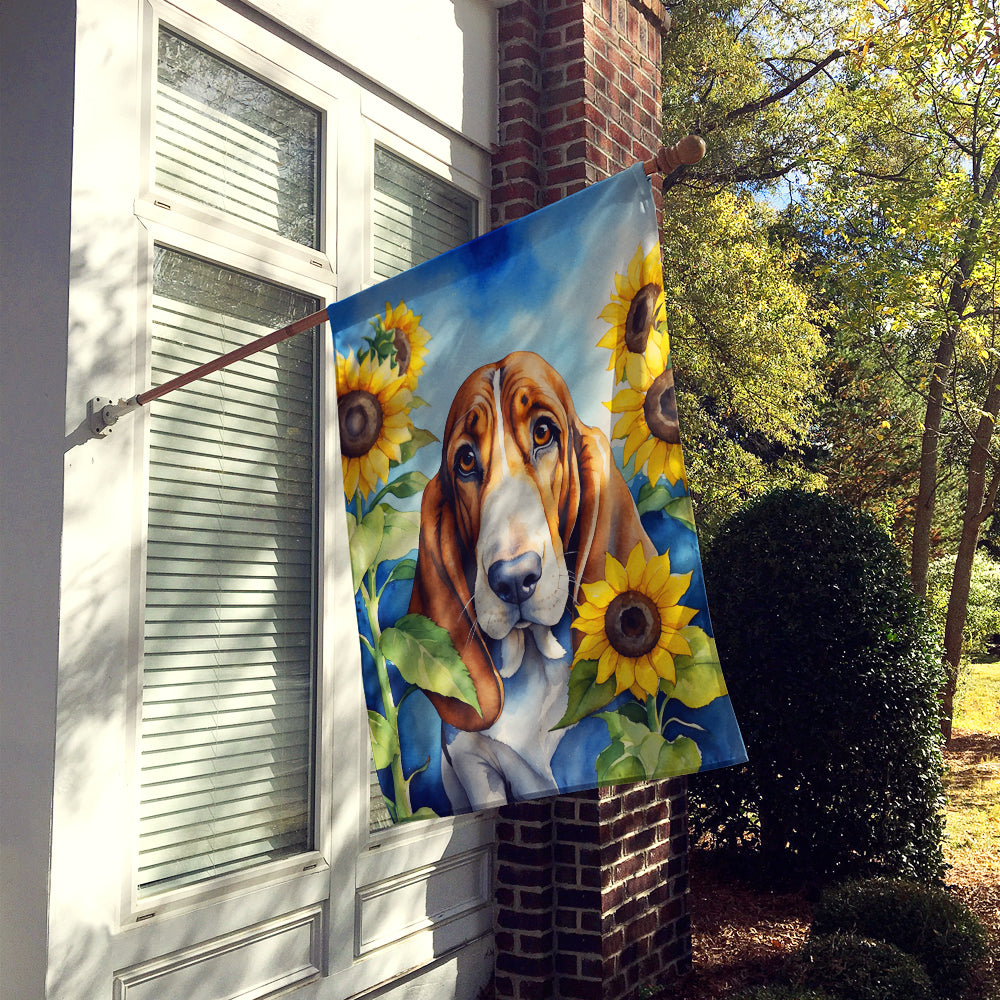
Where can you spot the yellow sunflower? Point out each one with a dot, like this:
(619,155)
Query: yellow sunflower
(409,339)
(634,313)
(373,404)
(648,423)
(631,622)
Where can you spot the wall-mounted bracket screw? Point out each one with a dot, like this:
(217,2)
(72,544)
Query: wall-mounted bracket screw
(103,413)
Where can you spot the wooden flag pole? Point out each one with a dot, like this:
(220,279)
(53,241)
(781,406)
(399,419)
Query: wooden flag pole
(103,413)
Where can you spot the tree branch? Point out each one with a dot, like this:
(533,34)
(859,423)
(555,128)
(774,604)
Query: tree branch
(754,106)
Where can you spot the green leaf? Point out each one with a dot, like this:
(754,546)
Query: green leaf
(385,740)
(699,676)
(400,534)
(407,485)
(634,711)
(681,509)
(425,655)
(679,756)
(648,751)
(652,498)
(635,752)
(423,767)
(586,696)
(614,766)
(424,812)
(365,541)
(418,439)
(404,570)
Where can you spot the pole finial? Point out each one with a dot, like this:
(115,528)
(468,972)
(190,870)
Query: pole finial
(668,158)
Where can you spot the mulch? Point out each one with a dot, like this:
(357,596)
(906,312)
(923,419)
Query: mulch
(742,934)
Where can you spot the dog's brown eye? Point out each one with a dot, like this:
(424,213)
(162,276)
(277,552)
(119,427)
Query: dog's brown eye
(466,465)
(542,434)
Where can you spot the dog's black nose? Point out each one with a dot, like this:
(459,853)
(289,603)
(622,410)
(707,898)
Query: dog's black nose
(514,580)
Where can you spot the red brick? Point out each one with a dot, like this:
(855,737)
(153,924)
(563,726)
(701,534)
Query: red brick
(577,941)
(519,920)
(582,989)
(531,899)
(541,944)
(535,989)
(537,966)
(513,875)
(567,964)
(521,90)
(567,174)
(570,51)
(517,111)
(518,49)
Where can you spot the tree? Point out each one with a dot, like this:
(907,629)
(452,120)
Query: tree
(913,184)
(748,355)
(748,351)
(879,123)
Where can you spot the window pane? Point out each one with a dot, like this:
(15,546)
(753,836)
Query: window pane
(228,658)
(417,215)
(228,140)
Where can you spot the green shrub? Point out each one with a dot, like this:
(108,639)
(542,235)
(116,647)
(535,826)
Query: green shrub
(856,968)
(925,922)
(782,993)
(833,674)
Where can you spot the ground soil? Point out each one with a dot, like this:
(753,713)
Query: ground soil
(742,934)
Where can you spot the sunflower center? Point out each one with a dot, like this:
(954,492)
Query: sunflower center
(360,415)
(632,623)
(402,344)
(660,409)
(639,321)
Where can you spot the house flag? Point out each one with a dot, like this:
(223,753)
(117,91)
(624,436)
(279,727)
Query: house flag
(530,602)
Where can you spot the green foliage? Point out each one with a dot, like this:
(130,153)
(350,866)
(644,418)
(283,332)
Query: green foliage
(833,674)
(983,611)
(425,656)
(857,968)
(747,350)
(924,921)
(782,992)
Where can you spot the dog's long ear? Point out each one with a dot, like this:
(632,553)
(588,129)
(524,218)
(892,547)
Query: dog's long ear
(607,520)
(441,592)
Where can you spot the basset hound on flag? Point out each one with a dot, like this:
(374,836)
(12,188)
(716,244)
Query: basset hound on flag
(525,507)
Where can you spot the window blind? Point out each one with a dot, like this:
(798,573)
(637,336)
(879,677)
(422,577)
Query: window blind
(416,215)
(228,140)
(228,653)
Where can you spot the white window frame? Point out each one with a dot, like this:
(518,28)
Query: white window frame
(180,224)
(353,875)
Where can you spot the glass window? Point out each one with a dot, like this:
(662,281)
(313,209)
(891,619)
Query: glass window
(228,674)
(416,215)
(228,140)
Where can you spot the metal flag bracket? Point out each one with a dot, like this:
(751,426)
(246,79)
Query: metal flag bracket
(103,413)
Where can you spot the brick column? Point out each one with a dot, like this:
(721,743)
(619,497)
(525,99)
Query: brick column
(579,96)
(591,889)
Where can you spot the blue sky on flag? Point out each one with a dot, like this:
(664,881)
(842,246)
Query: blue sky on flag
(540,287)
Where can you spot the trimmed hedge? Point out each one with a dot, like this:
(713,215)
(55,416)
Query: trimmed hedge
(833,672)
(925,922)
(857,968)
(782,993)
